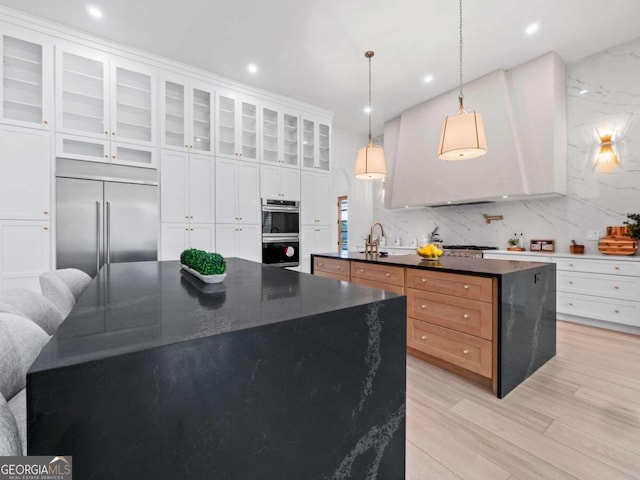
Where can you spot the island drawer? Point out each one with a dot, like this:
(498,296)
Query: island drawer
(613,266)
(461,314)
(466,286)
(331,268)
(376,284)
(466,351)
(377,273)
(610,286)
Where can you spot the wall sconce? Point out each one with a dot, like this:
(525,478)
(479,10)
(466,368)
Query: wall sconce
(606,159)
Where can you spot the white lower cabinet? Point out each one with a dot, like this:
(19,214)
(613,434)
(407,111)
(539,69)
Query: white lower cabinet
(603,290)
(239,240)
(314,239)
(25,248)
(279,183)
(176,237)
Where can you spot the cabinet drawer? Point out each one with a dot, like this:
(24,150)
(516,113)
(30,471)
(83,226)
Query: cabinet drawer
(612,286)
(335,276)
(608,309)
(466,286)
(331,265)
(378,273)
(613,266)
(468,352)
(376,284)
(461,314)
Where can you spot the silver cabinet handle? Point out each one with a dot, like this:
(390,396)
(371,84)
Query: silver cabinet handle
(108,232)
(97,237)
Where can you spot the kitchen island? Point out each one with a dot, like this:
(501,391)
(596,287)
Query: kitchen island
(271,374)
(493,321)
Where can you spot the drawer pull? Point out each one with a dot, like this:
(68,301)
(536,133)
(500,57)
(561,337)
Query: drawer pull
(465,316)
(466,287)
(617,268)
(570,283)
(423,306)
(423,337)
(361,270)
(465,351)
(339,267)
(616,287)
(571,304)
(320,264)
(571,264)
(617,311)
(424,280)
(387,274)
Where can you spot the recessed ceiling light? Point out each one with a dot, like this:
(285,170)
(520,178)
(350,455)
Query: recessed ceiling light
(252,67)
(449,201)
(367,109)
(505,196)
(94,11)
(582,92)
(406,206)
(533,28)
(428,79)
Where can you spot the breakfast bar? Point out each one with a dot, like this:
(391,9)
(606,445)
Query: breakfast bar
(270,374)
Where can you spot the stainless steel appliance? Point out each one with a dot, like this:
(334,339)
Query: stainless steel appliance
(473,251)
(280,233)
(104,214)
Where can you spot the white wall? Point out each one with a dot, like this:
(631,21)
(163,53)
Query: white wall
(359,192)
(594,200)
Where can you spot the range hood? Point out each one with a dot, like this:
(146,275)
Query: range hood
(524,112)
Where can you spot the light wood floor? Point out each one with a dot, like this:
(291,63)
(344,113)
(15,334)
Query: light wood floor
(578,417)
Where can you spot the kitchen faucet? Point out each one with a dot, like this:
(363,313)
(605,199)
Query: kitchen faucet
(371,247)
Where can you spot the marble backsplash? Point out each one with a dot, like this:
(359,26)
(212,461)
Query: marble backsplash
(603,91)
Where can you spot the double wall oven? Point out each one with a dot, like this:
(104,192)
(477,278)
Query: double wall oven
(280,233)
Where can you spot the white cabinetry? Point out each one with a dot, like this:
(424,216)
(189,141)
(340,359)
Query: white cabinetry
(594,289)
(279,183)
(316,203)
(25,253)
(236,126)
(240,240)
(25,173)
(26,97)
(316,144)
(280,136)
(177,237)
(237,192)
(187,116)
(314,239)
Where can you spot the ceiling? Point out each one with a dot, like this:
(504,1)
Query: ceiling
(313,50)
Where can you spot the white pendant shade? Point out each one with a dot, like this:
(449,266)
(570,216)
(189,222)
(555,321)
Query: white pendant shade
(462,137)
(370,163)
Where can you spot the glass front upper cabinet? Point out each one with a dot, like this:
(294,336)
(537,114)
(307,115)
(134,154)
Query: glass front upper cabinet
(280,137)
(236,126)
(316,144)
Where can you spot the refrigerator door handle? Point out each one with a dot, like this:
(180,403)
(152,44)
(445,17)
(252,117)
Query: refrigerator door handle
(108,233)
(97,236)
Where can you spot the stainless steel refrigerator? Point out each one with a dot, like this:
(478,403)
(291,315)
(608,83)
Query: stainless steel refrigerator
(104,216)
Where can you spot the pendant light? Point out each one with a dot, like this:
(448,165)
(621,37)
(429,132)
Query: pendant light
(462,135)
(370,163)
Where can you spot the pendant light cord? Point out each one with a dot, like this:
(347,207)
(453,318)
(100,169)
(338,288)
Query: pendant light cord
(370,96)
(460,94)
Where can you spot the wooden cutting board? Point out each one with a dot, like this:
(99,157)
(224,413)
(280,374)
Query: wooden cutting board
(618,245)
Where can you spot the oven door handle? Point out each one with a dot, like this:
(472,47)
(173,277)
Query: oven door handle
(280,239)
(273,208)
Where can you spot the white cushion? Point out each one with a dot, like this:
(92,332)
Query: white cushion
(55,290)
(10,443)
(18,406)
(75,279)
(33,306)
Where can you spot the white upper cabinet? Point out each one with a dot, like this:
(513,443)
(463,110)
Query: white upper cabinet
(104,97)
(316,144)
(25,173)
(280,136)
(236,126)
(315,205)
(27,84)
(187,115)
(237,192)
(279,183)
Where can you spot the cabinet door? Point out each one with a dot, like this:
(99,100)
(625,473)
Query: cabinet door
(173,186)
(290,183)
(226,121)
(307,201)
(226,197)
(82,148)
(309,137)
(134,155)
(324,241)
(25,253)
(290,139)
(201,189)
(270,182)
(174,115)
(248,131)
(201,113)
(82,83)
(248,193)
(174,238)
(226,244)
(24,173)
(271,140)
(202,236)
(322,196)
(133,104)
(26,97)
(324,147)
(249,244)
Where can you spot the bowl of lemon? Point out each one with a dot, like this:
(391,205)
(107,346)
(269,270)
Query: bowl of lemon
(430,252)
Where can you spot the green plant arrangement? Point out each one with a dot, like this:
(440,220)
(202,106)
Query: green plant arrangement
(633,223)
(205,263)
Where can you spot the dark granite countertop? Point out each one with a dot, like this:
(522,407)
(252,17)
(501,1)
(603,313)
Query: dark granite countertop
(472,266)
(131,307)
